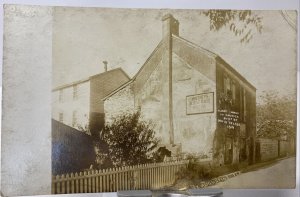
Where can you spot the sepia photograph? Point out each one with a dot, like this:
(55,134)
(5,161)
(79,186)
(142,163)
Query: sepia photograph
(173,99)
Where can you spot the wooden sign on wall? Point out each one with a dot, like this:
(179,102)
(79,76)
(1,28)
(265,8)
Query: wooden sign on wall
(200,103)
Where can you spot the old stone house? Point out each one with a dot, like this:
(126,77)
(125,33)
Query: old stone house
(79,104)
(199,103)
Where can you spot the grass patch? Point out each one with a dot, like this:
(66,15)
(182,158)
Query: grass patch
(197,171)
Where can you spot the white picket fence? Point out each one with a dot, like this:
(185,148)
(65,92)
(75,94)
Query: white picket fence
(146,176)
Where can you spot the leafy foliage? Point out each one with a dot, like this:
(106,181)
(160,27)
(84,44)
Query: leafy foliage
(276,117)
(131,141)
(241,23)
(102,160)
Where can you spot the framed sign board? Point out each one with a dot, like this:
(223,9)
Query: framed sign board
(200,103)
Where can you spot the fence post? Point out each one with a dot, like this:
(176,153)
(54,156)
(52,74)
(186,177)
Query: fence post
(72,183)
(105,189)
(113,180)
(125,178)
(136,175)
(76,183)
(118,178)
(89,181)
(85,182)
(67,184)
(57,185)
(63,185)
(107,180)
(53,185)
(96,181)
(81,182)
(110,180)
(132,178)
(93,180)
(100,181)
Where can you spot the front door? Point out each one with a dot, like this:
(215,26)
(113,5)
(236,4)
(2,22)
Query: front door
(228,150)
(251,151)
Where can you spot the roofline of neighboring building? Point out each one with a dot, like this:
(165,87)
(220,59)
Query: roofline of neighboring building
(87,79)
(70,84)
(118,89)
(97,75)
(217,57)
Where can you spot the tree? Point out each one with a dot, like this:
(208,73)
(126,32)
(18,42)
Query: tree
(241,23)
(276,116)
(130,140)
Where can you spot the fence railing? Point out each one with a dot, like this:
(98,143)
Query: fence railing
(146,176)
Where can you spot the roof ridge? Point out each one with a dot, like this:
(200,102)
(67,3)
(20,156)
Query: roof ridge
(88,78)
(195,45)
(216,56)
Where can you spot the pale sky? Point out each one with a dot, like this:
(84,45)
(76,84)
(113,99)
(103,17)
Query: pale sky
(84,37)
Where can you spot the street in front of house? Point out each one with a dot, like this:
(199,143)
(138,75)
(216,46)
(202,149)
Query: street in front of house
(281,174)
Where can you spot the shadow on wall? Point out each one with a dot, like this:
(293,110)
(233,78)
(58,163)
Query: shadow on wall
(72,150)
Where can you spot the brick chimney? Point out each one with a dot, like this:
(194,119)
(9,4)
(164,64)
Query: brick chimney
(105,65)
(170,25)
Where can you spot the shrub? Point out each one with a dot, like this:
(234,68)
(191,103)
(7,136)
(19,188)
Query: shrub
(130,140)
(195,169)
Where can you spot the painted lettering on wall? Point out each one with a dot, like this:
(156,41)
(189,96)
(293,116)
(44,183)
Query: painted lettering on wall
(228,118)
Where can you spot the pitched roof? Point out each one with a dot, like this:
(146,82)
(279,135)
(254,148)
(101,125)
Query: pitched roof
(87,79)
(148,59)
(205,51)
(217,57)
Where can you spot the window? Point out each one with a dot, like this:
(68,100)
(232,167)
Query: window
(75,92)
(74,118)
(245,105)
(233,92)
(61,117)
(61,96)
(226,85)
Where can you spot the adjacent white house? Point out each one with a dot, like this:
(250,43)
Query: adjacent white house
(79,104)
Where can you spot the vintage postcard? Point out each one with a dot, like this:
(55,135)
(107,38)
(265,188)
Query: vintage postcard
(152,99)
(172,99)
